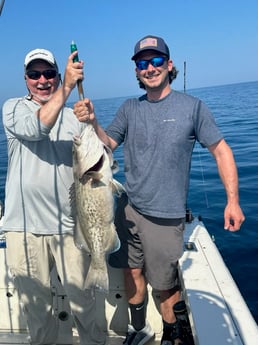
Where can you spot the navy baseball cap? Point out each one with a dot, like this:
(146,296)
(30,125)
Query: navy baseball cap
(150,43)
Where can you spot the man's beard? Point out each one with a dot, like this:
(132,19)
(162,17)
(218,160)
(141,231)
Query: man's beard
(43,99)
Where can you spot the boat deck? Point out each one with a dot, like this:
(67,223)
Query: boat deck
(217,311)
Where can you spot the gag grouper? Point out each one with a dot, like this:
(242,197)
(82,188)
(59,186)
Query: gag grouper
(93,207)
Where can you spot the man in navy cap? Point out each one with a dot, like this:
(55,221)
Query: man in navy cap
(158,131)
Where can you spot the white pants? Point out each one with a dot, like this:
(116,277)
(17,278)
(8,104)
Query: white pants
(30,259)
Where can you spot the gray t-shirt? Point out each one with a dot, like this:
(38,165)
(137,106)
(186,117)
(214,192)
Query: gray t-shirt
(40,171)
(158,141)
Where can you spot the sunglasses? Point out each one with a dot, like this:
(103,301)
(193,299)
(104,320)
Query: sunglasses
(48,74)
(155,62)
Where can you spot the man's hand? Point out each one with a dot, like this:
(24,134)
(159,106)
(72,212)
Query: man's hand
(233,217)
(73,72)
(84,111)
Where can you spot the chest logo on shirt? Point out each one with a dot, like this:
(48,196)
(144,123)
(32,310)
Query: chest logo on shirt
(169,120)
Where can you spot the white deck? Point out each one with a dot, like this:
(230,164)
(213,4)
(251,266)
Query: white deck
(217,310)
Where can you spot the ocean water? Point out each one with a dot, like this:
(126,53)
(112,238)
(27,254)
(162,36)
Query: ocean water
(235,108)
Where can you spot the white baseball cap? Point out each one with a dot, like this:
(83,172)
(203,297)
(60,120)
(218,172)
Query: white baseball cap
(40,54)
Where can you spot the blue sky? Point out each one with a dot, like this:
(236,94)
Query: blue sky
(217,39)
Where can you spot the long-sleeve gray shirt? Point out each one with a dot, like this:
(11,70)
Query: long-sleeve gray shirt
(39,174)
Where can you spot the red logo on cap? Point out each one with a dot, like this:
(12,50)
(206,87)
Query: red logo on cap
(148,42)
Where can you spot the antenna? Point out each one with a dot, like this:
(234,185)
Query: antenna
(184,76)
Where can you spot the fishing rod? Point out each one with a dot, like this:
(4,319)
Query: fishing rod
(79,82)
(1,6)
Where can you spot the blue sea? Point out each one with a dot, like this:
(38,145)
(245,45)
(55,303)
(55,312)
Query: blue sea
(235,108)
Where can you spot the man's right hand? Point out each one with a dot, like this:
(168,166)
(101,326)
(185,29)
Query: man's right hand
(73,72)
(84,111)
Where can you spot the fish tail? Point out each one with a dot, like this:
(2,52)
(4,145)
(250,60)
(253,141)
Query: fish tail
(97,278)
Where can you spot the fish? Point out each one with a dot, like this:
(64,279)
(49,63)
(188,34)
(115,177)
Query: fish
(93,194)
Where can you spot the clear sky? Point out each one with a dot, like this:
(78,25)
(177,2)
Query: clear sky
(218,39)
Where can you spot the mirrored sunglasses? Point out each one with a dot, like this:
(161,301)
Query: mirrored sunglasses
(48,74)
(155,62)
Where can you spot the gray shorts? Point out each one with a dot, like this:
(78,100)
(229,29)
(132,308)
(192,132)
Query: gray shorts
(153,244)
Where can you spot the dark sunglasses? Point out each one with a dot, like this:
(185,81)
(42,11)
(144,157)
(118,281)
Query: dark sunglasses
(48,74)
(155,62)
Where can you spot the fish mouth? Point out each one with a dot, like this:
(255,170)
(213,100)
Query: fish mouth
(96,167)
(93,172)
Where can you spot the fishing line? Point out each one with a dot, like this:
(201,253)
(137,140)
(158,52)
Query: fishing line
(203,178)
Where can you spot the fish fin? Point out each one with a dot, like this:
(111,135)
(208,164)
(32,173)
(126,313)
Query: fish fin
(72,200)
(115,167)
(79,238)
(117,187)
(97,278)
(113,243)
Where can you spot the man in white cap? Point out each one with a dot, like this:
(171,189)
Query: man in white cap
(38,222)
(158,131)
